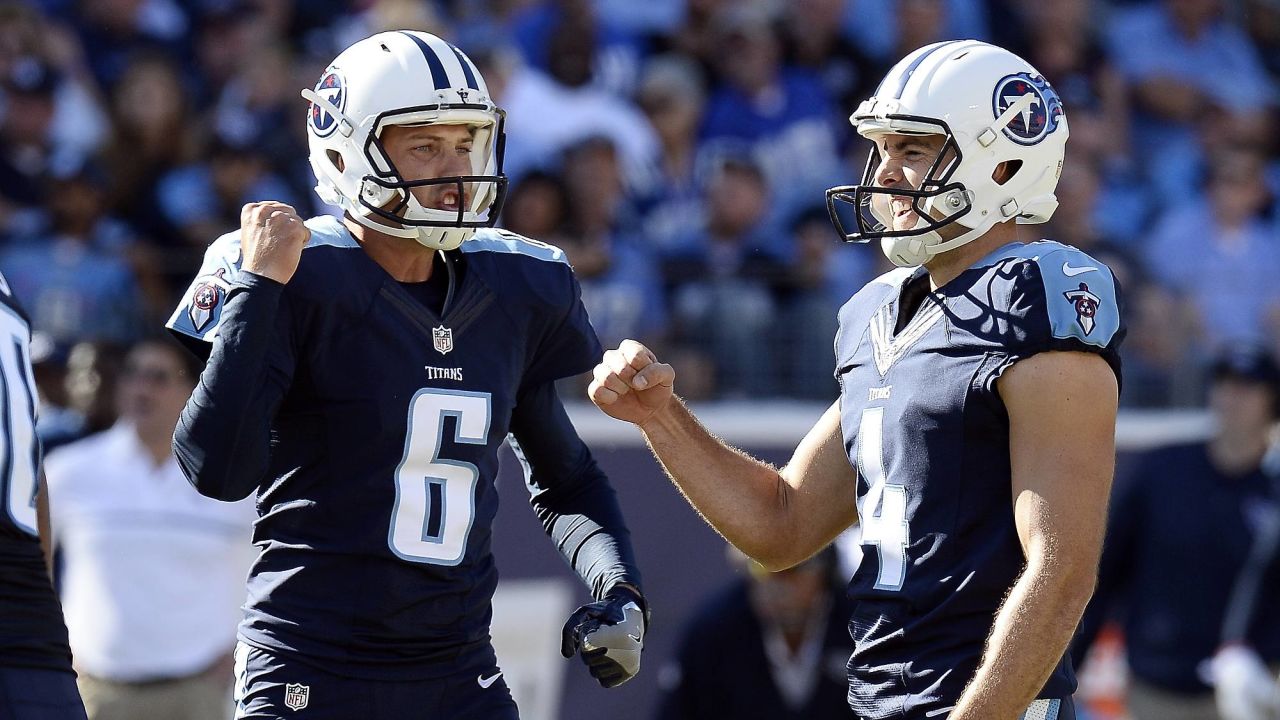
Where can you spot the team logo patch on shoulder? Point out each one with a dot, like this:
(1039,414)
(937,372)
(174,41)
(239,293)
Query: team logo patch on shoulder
(1038,119)
(296,696)
(1086,304)
(442,339)
(334,89)
(204,299)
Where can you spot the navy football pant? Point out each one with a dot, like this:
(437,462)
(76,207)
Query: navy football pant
(32,694)
(270,686)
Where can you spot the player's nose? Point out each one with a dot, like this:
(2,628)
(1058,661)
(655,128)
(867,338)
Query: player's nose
(888,173)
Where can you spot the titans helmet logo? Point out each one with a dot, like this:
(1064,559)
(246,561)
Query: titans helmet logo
(1039,117)
(331,88)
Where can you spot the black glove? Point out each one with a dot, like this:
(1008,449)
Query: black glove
(610,634)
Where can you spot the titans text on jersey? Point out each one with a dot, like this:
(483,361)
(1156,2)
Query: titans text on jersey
(925,426)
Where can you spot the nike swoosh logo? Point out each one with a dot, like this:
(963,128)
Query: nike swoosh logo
(634,637)
(935,713)
(1074,271)
(485,682)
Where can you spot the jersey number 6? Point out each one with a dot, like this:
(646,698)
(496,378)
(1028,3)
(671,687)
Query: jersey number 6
(435,498)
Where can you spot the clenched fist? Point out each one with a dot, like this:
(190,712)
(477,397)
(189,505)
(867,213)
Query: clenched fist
(630,384)
(272,237)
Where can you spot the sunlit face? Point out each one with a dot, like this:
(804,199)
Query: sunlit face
(426,152)
(904,163)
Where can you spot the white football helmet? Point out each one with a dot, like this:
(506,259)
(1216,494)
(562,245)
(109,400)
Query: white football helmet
(403,78)
(991,106)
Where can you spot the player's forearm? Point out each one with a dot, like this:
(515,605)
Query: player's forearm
(588,530)
(222,440)
(744,499)
(571,494)
(1029,637)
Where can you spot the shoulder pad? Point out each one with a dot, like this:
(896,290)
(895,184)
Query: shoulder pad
(506,242)
(200,309)
(1080,293)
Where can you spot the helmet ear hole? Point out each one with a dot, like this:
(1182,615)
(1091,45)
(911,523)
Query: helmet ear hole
(335,157)
(1005,171)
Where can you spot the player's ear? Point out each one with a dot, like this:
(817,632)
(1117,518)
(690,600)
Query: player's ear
(1005,171)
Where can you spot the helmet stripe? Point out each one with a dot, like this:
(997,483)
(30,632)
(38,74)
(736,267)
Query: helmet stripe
(906,74)
(439,77)
(465,62)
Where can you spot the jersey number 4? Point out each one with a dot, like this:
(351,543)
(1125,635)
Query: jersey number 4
(435,498)
(883,510)
(19,453)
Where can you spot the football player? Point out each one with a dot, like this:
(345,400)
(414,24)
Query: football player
(36,679)
(363,373)
(1245,688)
(974,434)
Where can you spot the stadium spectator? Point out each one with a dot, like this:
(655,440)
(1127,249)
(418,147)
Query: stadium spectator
(778,113)
(26,147)
(548,112)
(1181,525)
(878,26)
(93,372)
(1219,256)
(621,288)
(204,199)
(815,41)
(721,281)
(673,97)
(615,54)
(1176,56)
(154,132)
(152,571)
(771,646)
(71,271)
(825,274)
(113,32)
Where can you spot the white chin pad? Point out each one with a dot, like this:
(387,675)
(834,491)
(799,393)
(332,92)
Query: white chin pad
(910,251)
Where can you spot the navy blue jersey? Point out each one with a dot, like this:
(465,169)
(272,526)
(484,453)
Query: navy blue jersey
(32,633)
(377,499)
(927,430)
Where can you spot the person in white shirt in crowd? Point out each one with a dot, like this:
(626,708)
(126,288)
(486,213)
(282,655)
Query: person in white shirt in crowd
(152,572)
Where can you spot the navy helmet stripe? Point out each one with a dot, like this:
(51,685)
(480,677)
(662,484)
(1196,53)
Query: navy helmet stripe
(906,74)
(466,67)
(439,77)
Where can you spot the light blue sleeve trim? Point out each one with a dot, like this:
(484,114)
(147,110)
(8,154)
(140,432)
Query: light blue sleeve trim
(328,231)
(505,241)
(199,313)
(1080,295)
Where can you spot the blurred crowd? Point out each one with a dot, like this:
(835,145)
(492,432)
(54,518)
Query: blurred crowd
(677,150)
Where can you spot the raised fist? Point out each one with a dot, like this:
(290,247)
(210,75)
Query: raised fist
(272,237)
(630,384)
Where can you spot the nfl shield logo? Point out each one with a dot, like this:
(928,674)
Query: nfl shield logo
(296,696)
(442,338)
